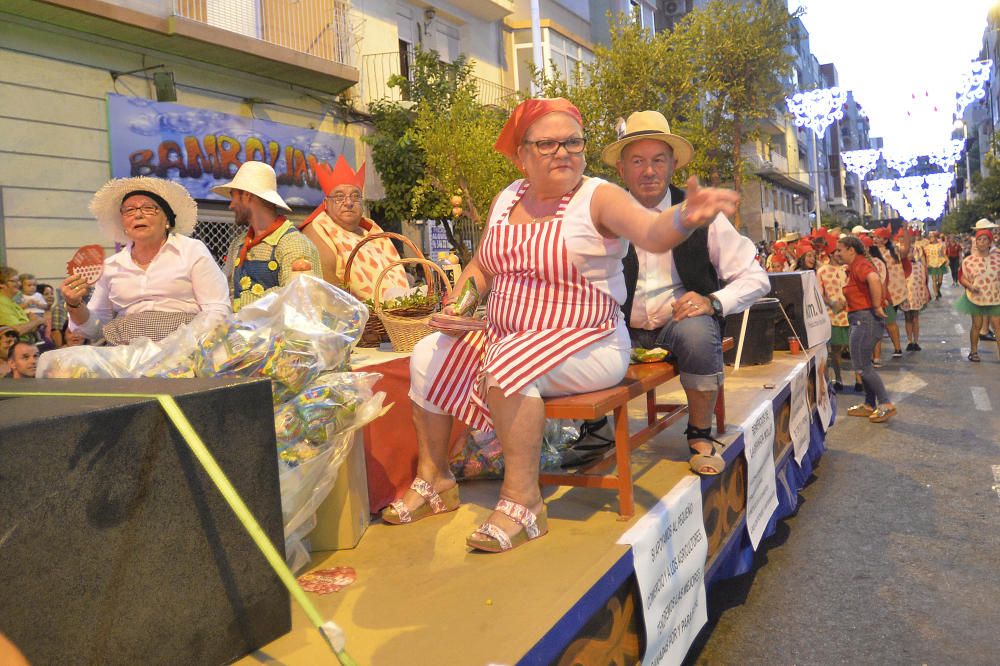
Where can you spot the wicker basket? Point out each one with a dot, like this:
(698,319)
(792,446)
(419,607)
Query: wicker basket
(406,331)
(375,333)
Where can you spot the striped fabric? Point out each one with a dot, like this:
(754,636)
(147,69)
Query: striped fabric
(541,311)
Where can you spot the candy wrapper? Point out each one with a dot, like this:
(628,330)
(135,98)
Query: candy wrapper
(467,301)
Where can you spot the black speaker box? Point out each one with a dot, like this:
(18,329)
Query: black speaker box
(788,289)
(115,545)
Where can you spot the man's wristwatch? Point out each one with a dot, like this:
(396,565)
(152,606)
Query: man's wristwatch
(716,306)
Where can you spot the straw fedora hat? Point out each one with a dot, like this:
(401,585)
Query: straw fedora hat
(858,229)
(648,125)
(984,224)
(256,178)
(106,204)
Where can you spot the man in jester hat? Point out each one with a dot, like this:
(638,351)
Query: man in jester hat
(271,252)
(338,225)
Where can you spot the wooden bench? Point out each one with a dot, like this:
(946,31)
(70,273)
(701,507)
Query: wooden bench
(640,378)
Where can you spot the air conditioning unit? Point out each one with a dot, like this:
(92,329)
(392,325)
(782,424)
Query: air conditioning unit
(675,8)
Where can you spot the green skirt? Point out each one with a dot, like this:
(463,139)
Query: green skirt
(890,313)
(840,335)
(965,306)
(940,270)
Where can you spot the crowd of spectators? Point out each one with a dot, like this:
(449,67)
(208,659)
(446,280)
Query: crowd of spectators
(32,320)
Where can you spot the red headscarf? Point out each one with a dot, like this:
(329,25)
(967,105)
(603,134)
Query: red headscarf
(802,247)
(984,232)
(885,233)
(524,115)
(866,240)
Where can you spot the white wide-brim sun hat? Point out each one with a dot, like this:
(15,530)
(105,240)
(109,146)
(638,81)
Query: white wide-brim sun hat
(984,224)
(107,202)
(256,178)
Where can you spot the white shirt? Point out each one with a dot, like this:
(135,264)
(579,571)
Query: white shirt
(182,277)
(734,258)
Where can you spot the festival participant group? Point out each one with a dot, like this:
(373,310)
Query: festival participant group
(574,273)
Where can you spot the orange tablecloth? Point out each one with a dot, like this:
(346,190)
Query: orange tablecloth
(390,440)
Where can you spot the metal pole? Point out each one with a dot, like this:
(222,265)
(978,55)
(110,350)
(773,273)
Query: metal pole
(536,39)
(816,172)
(968,167)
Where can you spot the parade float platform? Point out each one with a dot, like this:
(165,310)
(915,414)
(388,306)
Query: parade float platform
(572,597)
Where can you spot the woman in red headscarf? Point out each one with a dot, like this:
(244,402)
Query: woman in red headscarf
(550,259)
(980,275)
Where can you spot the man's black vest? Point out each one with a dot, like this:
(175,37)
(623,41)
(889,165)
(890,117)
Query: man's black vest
(691,258)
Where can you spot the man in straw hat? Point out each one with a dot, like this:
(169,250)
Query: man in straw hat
(676,299)
(337,226)
(271,251)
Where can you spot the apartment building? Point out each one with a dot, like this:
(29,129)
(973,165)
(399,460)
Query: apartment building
(182,89)
(188,89)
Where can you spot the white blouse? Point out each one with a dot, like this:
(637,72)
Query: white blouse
(182,277)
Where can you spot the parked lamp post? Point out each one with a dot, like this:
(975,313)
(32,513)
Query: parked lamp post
(817,109)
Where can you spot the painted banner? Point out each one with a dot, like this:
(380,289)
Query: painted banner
(669,549)
(823,406)
(798,420)
(200,149)
(762,492)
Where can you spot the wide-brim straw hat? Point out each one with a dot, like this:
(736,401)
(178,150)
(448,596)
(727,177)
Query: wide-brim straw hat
(648,125)
(256,178)
(858,229)
(984,224)
(107,202)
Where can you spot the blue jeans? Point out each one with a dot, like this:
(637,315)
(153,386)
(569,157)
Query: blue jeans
(866,331)
(697,344)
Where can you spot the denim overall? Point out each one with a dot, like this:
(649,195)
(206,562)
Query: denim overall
(259,270)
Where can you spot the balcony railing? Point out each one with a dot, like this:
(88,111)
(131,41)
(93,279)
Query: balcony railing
(320,28)
(378,68)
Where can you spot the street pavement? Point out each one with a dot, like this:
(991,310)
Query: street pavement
(893,556)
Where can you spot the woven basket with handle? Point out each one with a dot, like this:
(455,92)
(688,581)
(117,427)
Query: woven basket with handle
(375,333)
(406,330)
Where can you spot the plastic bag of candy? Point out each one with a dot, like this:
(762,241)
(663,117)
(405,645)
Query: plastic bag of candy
(316,430)
(481,456)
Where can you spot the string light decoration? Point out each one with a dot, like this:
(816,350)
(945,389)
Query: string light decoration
(973,85)
(946,156)
(860,162)
(817,109)
(915,197)
(899,160)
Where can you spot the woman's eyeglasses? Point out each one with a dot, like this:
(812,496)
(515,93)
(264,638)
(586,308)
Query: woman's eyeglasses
(146,210)
(573,145)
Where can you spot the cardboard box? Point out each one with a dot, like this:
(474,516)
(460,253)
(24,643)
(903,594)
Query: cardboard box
(344,515)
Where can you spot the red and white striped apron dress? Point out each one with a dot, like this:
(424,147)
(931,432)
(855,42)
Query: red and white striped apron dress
(541,311)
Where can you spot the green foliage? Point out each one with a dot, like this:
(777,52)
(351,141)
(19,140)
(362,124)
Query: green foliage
(986,202)
(437,144)
(715,77)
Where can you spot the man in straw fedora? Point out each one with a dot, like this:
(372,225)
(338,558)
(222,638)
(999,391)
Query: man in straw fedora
(678,299)
(338,225)
(271,251)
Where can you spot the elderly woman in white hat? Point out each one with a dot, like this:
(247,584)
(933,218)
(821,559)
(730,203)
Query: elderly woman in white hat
(272,250)
(160,279)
